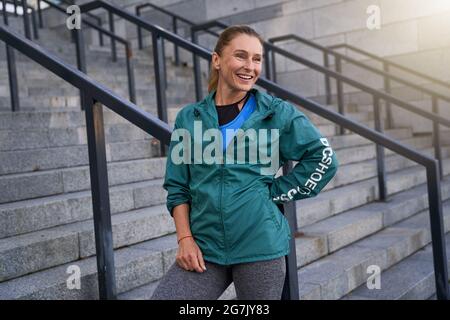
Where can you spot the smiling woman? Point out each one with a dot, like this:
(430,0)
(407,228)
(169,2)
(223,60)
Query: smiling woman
(228,224)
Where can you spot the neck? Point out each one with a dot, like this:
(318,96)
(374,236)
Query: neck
(225,95)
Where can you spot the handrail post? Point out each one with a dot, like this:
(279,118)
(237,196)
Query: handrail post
(158,58)
(33,21)
(113,41)
(41,22)
(290,288)
(81,57)
(326,63)
(273,66)
(12,69)
(5,13)
(268,64)
(175,47)
(15,8)
(100,34)
(100,198)
(382,191)
(437,137)
(437,232)
(340,94)
(196,67)
(139,30)
(130,72)
(26,21)
(387,89)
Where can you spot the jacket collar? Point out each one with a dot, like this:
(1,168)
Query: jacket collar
(265,105)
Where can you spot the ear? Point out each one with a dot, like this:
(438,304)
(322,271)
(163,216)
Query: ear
(216,60)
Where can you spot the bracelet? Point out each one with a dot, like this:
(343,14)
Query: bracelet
(183,238)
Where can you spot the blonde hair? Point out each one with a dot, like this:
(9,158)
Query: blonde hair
(225,38)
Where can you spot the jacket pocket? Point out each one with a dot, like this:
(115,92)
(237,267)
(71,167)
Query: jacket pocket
(270,206)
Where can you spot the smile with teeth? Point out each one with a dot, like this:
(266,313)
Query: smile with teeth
(245,77)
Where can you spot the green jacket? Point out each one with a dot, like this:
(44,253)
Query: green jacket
(234,216)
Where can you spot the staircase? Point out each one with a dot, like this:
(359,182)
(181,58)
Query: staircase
(46,221)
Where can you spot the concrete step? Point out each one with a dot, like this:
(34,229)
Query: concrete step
(77,178)
(326,204)
(72,156)
(51,182)
(350,226)
(134,267)
(21,161)
(54,118)
(57,137)
(329,276)
(343,229)
(410,279)
(37,214)
(24,254)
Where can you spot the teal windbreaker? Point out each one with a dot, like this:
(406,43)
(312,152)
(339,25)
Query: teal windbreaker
(234,216)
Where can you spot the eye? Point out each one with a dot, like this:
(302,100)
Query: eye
(257,59)
(240,55)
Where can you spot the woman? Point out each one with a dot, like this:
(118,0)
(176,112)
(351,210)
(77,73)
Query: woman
(229,227)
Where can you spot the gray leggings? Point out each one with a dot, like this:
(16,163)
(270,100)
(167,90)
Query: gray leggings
(260,280)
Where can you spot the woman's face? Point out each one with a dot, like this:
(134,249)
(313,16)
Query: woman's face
(240,63)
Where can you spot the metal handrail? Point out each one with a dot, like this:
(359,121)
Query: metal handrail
(435,96)
(376,94)
(431,165)
(95,95)
(126,43)
(343,57)
(175,18)
(390,63)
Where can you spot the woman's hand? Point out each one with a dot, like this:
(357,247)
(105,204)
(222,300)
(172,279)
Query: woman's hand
(189,255)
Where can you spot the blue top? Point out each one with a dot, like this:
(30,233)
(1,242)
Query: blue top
(237,122)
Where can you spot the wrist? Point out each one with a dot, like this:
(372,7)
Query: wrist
(181,238)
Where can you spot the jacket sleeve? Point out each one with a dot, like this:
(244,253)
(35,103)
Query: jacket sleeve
(317,163)
(176,180)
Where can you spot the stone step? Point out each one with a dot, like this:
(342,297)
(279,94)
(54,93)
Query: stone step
(23,138)
(23,254)
(54,118)
(37,214)
(77,178)
(410,279)
(343,268)
(51,182)
(57,137)
(328,276)
(336,200)
(343,229)
(327,204)
(134,267)
(29,160)
(72,156)
(343,271)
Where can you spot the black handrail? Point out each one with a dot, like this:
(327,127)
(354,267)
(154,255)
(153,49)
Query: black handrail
(175,18)
(390,63)
(12,70)
(376,94)
(95,95)
(126,43)
(435,96)
(431,165)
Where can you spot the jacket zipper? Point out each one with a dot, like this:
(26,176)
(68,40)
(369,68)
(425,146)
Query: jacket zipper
(221,180)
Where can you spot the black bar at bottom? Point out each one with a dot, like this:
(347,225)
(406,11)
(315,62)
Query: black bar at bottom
(100,198)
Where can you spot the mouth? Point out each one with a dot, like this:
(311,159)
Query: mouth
(245,77)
